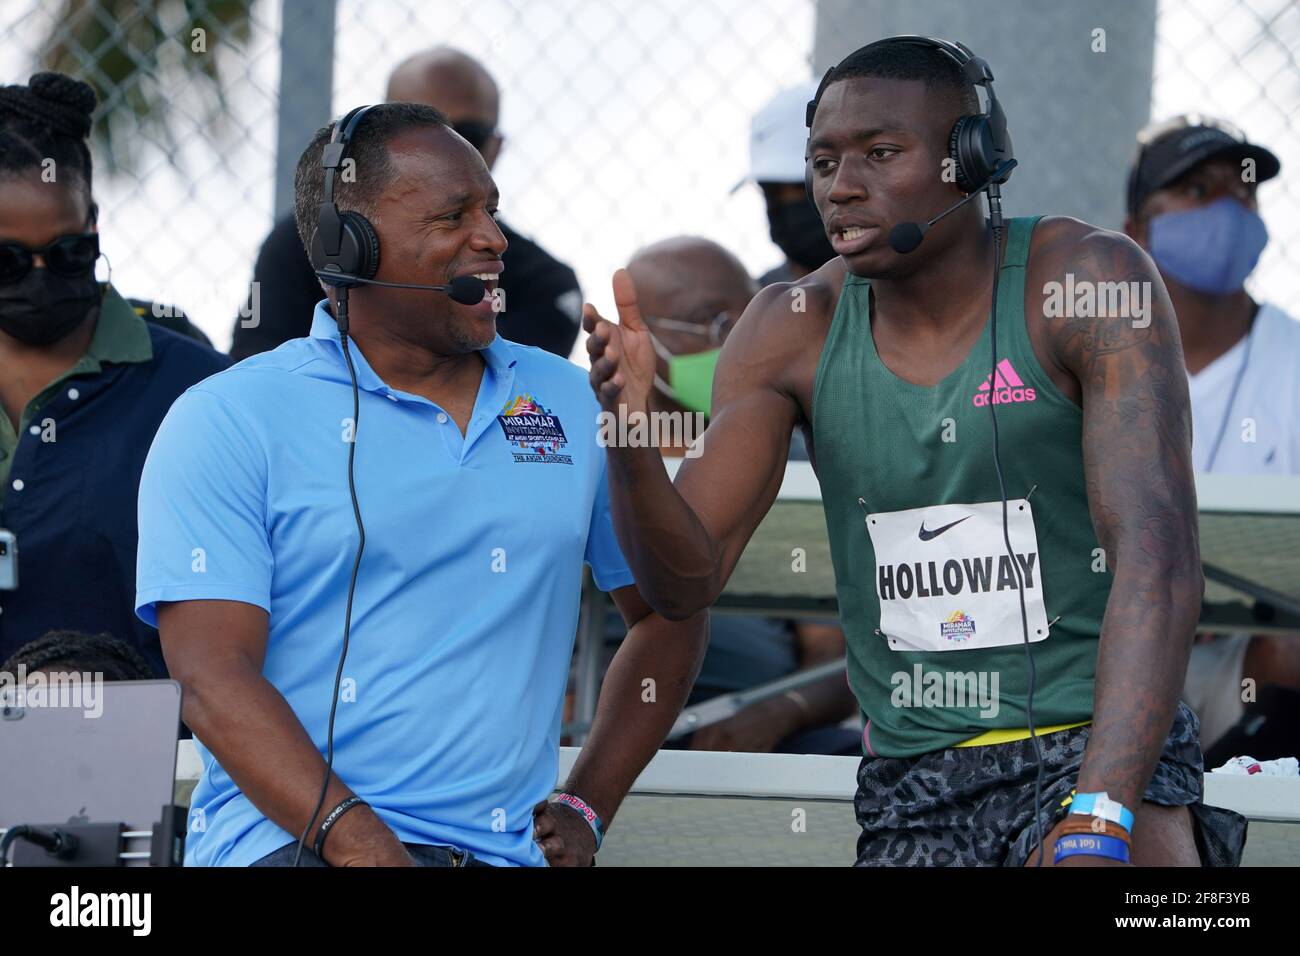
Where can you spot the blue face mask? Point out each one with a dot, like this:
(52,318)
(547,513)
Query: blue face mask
(1210,249)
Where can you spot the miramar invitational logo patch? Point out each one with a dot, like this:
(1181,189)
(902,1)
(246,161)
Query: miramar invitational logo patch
(535,430)
(959,628)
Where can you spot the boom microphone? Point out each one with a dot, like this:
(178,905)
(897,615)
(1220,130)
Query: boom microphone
(906,236)
(466,290)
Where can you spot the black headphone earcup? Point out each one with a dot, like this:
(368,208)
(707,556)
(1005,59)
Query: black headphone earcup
(970,145)
(360,246)
(807,182)
(317,252)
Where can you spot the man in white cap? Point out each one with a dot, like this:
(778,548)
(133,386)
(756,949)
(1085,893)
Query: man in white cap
(777,137)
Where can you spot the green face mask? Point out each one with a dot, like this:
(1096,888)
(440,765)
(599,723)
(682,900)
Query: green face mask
(690,378)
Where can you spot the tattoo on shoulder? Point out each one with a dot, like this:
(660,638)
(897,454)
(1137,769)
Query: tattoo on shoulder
(1114,328)
(1105,298)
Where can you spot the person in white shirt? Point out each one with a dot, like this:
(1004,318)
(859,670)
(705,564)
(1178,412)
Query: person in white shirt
(1192,206)
(777,137)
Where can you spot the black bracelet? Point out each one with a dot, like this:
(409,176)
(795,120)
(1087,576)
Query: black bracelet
(330,820)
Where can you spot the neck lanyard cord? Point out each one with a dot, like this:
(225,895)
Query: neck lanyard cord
(1232,396)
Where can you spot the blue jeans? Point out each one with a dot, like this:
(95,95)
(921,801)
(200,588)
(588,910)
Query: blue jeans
(422,853)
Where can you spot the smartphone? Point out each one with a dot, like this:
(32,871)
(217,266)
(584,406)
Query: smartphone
(8,560)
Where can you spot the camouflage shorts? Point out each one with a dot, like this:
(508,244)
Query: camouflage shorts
(973,806)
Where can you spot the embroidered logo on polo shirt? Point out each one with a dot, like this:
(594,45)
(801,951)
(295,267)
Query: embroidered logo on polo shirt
(535,430)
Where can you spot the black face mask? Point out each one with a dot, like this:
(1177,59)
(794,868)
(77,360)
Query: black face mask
(41,307)
(797,229)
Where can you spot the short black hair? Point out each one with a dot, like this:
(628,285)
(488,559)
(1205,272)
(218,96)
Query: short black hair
(906,60)
(49,118)
(78,651)
(368,148)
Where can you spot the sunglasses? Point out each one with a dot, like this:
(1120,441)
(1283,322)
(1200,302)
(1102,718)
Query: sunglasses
(65,256)
(716,330)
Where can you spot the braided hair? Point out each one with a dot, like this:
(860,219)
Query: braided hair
(49,118)
(80,652)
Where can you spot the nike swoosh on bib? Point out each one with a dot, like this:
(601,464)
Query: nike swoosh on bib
(927,535)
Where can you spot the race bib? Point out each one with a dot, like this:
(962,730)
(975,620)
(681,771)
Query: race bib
(946,582)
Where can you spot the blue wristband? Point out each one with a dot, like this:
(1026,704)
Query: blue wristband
(1101,805)
(1091,844)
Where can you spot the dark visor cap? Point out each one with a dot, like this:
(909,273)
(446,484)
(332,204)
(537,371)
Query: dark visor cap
(1169,155)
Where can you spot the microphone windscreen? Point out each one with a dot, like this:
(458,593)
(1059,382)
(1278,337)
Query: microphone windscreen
(906,236)
(467,290)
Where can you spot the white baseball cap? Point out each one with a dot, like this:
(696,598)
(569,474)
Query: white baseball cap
(778,137)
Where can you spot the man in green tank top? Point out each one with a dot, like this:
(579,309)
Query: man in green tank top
(884,360)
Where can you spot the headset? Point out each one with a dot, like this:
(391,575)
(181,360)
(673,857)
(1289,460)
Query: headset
(979,144)
(344,254)
(345,246)
(980,149)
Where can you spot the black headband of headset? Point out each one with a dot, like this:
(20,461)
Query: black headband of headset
(975,69)
(330,223)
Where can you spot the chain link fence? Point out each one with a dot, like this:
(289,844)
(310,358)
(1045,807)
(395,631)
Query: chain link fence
(624,122)
(1240,60)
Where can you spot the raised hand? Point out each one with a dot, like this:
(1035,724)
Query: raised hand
(622,355)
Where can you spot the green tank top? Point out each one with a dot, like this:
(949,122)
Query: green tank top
(927,593)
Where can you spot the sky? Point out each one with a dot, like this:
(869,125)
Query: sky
(625,123)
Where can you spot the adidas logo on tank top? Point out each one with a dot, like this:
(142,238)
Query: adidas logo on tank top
(1007,390)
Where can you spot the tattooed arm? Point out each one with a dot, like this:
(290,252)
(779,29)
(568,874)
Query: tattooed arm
(1137,462)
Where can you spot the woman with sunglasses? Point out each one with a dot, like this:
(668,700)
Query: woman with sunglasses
(84,382)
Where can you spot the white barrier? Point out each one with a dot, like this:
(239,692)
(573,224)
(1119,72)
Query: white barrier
(787,776)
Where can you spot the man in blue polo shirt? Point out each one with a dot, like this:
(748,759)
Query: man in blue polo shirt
(481,485)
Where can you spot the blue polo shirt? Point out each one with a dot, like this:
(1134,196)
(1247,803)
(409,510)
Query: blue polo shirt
(467,596)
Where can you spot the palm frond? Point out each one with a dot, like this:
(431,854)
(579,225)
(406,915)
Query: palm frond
(138,58)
